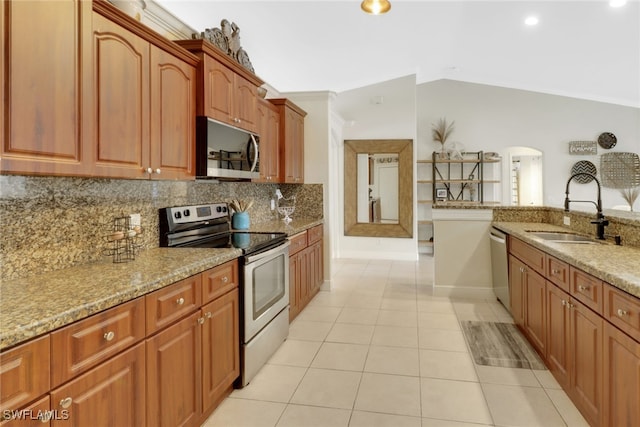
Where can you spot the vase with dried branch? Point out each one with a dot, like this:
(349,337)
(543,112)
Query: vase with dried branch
(630,195)
(240,219)
(440,132)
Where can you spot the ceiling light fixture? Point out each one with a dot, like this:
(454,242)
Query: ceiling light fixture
(531,20)
(376,7)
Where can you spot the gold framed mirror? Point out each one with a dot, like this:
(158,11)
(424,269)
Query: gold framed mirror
(362,221)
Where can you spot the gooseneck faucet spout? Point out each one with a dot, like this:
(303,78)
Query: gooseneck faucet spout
(600,221)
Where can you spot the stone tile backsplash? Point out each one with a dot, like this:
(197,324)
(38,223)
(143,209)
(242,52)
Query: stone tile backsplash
(50,223)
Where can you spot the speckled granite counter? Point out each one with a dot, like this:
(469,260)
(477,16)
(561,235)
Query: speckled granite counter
(36,305)
(616,265)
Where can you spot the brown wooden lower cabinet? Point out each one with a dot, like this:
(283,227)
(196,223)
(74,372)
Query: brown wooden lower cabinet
(35,415)
(111,394)
(621,379)
(590,345)
(174,374)
(220,348)
(306,270)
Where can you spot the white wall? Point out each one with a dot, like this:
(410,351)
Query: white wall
(492,118)
(394,118)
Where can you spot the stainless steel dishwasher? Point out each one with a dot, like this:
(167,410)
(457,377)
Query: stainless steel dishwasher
(500,266)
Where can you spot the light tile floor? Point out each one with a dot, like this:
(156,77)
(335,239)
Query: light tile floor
(380,350)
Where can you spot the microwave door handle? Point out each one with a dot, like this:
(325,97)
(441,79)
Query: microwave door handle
(255,150)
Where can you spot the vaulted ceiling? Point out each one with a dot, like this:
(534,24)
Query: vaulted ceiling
(582,49)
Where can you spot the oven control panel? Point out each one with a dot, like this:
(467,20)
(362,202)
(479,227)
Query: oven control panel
(187,214)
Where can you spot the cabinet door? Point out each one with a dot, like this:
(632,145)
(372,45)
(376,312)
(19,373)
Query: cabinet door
(268,129)
(558,333)
(516,289)
(173,116)
(535,321)
(174,375)
(112,394)
(304,272)
(586,342)
(317,273)
(220,348)
(35,415)
(121,101)
(621,379)
(294,279)
(245,104)
(218,91)
(45,94)
(293,147)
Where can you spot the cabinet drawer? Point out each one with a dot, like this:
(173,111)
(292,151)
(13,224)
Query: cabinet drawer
(24,373)
(558,273)
(298,243)
(528,254)
(219,280)
(314,234)
(84,344)
(587,289)
(622,310)
(172,302)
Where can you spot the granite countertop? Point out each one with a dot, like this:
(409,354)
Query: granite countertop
(616,265)
(39,304)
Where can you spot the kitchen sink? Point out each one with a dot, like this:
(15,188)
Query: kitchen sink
(562,237)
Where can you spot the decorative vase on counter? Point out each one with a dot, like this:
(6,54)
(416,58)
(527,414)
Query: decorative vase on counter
(240,221)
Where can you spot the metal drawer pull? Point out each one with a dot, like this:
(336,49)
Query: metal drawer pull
(208,315)
(583,288)
(225,279)
(109,336)
(200,320)
(180,301)
(564,302)
(555,272)
(622,312)
(66,402)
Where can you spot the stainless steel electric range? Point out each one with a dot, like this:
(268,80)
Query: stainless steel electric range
(264,275)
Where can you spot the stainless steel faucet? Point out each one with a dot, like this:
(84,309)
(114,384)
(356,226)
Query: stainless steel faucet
(600,222)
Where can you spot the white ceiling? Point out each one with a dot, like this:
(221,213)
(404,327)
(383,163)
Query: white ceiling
(582,49)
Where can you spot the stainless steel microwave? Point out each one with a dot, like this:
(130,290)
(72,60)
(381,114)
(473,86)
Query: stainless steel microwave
(225,152)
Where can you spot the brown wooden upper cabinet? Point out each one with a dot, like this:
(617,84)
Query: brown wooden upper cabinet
(100,95)
(291,141)
(269,131)
(144,103)
(227,92)
(45,124)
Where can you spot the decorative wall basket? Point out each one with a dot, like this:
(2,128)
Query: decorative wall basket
(584,166)
(620,170)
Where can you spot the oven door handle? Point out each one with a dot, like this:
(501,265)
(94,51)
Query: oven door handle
(255,150)
(280,248)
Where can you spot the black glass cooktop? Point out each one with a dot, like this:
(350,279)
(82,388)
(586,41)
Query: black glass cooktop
(249,242)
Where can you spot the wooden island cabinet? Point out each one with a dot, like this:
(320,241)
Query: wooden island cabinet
(588,333)
(164,359)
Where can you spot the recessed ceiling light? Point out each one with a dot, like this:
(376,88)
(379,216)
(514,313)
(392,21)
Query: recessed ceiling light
(617,3)
(531,20)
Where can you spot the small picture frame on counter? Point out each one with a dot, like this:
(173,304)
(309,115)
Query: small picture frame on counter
(441,194)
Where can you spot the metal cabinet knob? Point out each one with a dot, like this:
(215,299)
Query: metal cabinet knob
(225,279)
(109,336)
(200,320)
(149,170)
(622,312)
(180,301)
(564,302)
(157,171)
(583,288)
(208,315)
(66,402)
(555,272)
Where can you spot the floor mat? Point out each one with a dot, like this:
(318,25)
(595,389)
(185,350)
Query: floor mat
(500,344)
